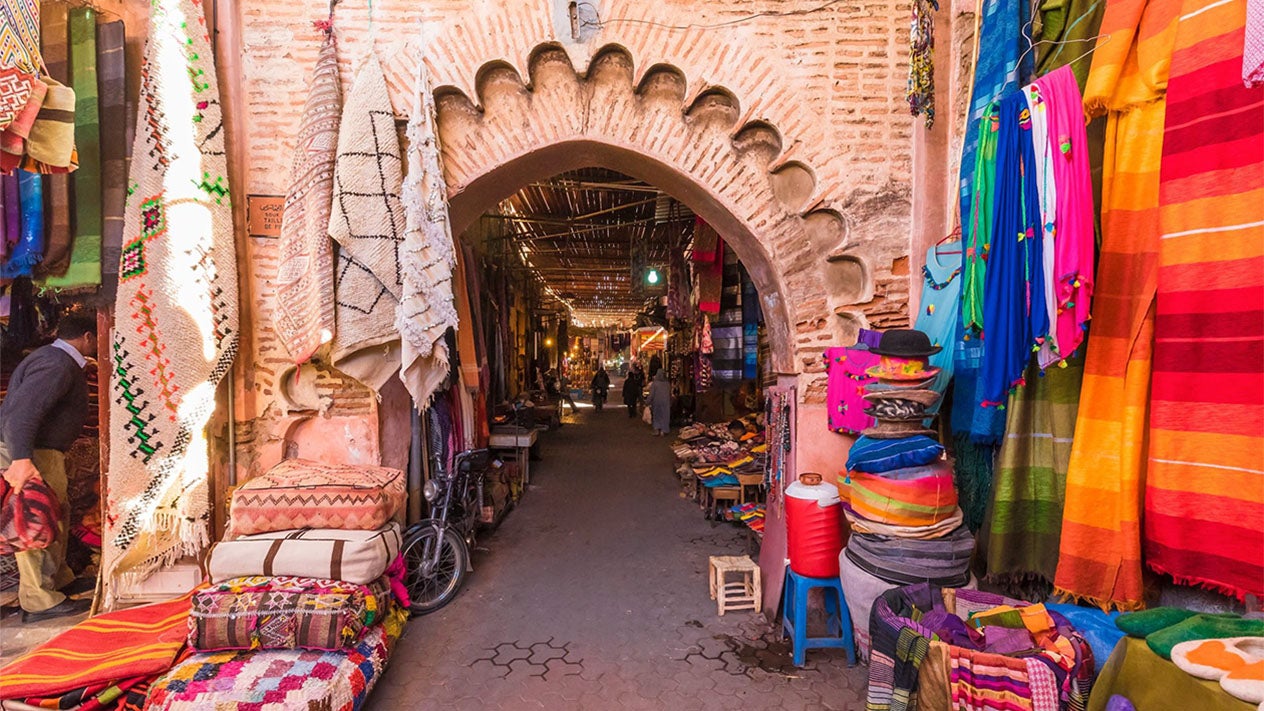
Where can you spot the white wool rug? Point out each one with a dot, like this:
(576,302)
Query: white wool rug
(175,318)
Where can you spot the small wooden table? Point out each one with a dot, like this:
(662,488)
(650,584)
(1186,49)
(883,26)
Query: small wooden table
(520,440)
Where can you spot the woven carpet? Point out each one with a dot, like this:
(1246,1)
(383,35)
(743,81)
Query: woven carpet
(137,642)
(84,268)
(112,85)
(305,305)
(368,225)
(427,309)
(176,312)
(54,19)
(1100,556)
(1204,496)
(20,35)
(1024,521)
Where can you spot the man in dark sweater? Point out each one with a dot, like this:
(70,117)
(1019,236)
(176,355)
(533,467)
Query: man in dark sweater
(40,418)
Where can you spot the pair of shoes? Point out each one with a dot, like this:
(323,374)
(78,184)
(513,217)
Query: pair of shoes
(61,609)
(79,586)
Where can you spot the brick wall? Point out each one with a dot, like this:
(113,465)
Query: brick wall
(825,195)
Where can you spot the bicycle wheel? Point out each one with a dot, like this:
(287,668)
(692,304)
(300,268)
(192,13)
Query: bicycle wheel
(428,593)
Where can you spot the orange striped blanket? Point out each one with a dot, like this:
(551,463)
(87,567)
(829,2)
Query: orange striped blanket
(1204,496)
(138,642)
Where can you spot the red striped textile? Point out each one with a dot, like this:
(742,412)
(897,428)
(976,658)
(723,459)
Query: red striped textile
(1204,496)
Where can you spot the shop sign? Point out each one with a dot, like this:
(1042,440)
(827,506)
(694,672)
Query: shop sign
(263,215)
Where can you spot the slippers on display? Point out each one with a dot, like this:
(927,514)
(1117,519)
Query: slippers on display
(1236,662)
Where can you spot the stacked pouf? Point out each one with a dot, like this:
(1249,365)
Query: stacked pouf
(308,579)
(898,494)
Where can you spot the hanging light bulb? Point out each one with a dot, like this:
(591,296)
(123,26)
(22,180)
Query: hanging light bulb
(652,276)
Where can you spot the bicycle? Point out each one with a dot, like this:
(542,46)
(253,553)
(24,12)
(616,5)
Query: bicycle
(437,550)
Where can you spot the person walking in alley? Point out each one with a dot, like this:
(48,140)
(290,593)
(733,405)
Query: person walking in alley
(40,418)
(600,387)
(633,384)
(660,403)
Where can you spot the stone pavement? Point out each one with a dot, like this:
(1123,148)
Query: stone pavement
(593,595)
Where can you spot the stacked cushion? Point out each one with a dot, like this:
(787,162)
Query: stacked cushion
(298,493)
(359,557)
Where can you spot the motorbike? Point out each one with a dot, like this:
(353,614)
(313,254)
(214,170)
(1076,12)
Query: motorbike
(598,399)
(437,550)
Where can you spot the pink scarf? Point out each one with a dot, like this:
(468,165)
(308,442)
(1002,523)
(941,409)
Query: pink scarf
(1074,242)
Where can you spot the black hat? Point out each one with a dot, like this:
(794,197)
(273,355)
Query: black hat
(905,343)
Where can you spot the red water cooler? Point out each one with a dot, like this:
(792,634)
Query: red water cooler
(814,527)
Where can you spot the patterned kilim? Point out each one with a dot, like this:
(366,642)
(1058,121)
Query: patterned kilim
(176,312)
(305,305)
(1204,497)
(368,224)
(427,309)
(15,91)
(84,268)
(275,680)
(111,80)
(20,35)
(140,641)
(1100,549)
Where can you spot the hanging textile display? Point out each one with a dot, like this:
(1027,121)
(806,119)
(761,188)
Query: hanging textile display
(24,198)
(1253,45)
(426,308)
(84,268)
(727,334)
(112,84)
(1073,257)
(920,92)
(176,313)
(751,317)
(1203,496)
(1046,222)
(1014,313)
(1100,549)
(846,370)
(940,311)
(708,258)
(367,222)
(678,286)
(21,97)
(305,274)
(1064,34)
(976,226)
(1024,521)
(996,72)
(20,37)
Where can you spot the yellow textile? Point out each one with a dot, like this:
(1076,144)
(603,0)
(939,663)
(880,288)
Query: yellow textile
(1100,557)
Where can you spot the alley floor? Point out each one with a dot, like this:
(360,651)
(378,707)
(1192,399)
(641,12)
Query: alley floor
(592,594)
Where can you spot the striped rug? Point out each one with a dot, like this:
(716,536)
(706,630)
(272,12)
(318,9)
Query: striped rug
(1100,549)
(1204,496)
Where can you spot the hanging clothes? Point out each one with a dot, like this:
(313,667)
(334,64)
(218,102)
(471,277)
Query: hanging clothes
(1203,503)
(976,225)
(997,72)
(1100,548)
(845,388)
(1047,192)
(920,92)
(1014,314)
(1067,29)
(1076,235)
(24,213)
(1253,45)
(940,311)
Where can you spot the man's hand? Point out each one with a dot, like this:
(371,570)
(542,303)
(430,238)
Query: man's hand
(20,472)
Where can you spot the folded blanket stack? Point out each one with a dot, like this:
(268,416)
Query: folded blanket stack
(718,454)
(997,653)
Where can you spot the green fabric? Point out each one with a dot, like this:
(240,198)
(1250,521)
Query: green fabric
(1203,626)
(977,226)
(972,470)
(85,253)
(1020,537)
(1146,622)
(1067,35)
(1153,684)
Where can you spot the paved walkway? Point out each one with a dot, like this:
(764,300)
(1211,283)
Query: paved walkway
(593,595)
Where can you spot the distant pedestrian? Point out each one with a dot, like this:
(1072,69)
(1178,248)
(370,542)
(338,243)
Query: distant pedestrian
(660,403)
(633,384)
(600,385)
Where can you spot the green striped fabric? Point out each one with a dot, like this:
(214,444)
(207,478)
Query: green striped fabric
(1024,523)
(85,253)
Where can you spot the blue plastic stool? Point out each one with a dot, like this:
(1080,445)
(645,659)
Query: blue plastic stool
(794,603)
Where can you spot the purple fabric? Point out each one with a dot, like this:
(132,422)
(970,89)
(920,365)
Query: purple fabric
(869,338)
(12,212)
(1007,641)
(846,388)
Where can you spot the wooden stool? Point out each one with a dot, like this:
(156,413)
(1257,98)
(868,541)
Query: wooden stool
(724,497)
(743,594)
